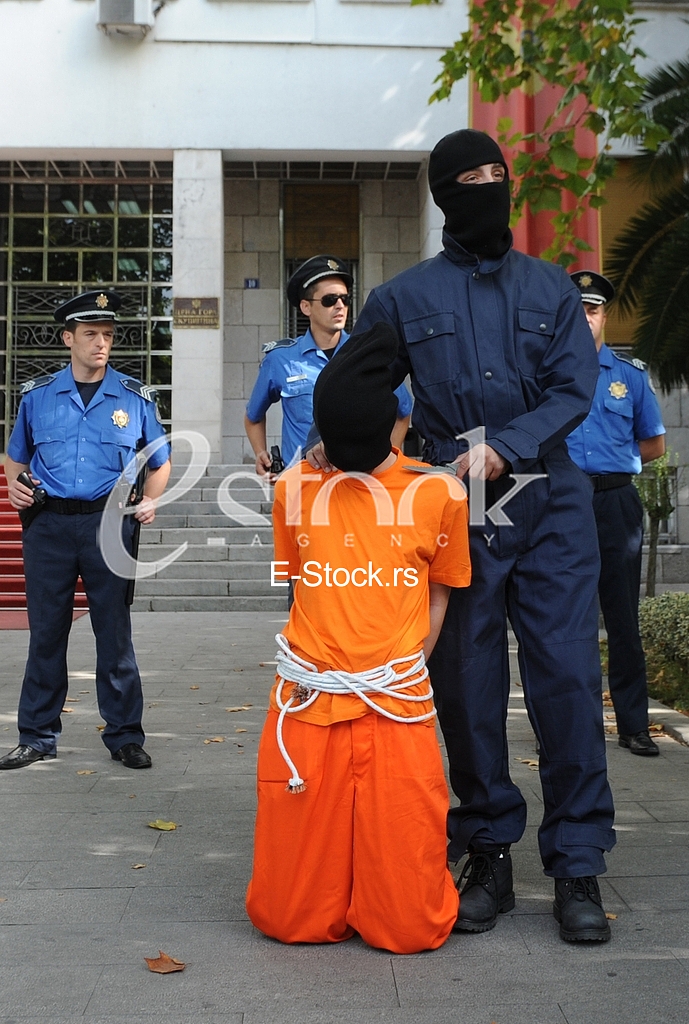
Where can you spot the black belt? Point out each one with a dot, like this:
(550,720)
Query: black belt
(608,481)
(75,506)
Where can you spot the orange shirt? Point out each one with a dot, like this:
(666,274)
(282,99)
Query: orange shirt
(361,553)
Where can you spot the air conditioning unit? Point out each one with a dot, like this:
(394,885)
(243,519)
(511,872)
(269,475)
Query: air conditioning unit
(125,17)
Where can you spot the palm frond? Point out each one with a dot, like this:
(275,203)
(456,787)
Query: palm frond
(662,335)
(666,101)
(635,250)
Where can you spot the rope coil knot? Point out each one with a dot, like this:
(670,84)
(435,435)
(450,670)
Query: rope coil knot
(309,683)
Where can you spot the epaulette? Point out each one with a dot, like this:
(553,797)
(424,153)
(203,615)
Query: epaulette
(143,390)
(638,363)
(37,382)
(283,343)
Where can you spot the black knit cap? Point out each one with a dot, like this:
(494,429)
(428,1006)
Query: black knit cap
(354,405)
(462,151)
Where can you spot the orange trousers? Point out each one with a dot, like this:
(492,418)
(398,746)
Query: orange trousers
(363,848)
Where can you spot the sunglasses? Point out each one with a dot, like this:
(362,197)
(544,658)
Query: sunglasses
(333,299)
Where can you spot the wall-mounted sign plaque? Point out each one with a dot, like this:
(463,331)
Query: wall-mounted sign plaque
(199,313)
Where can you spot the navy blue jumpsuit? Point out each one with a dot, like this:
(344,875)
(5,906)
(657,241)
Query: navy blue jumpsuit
(504,344)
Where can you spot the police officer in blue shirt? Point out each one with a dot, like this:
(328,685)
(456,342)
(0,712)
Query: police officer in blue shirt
(503,368)
(623,430)
(75,432)
(288,373)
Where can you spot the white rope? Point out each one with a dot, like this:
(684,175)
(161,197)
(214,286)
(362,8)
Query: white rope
(309,683)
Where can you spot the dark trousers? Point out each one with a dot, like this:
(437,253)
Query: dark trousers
(58,549)
(619,519)
(542,573)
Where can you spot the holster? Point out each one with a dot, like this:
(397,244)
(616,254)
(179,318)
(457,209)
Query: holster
(27,515)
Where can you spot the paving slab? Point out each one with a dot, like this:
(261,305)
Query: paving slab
(77,918)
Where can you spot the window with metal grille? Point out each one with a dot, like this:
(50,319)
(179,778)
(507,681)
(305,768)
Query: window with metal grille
(70,226)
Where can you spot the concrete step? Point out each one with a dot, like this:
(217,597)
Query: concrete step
(211,604)
(204,588)
(193,535)
(210,506)
(213,571)
(209,553)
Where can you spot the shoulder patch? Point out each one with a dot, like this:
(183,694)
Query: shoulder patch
(638,363)
(143,390)
(37,382)
(283,343)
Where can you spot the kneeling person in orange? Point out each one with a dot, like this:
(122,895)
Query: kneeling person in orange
(352,799)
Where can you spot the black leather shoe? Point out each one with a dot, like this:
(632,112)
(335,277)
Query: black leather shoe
(22,756)
(487,890)
(132,755)
(640,743)
(579,909)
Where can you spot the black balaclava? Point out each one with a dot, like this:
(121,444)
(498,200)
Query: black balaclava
(354,406)
(476,216)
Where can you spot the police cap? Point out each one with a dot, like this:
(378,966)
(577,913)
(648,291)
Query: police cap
(88,307)
(313,270)
(594,288)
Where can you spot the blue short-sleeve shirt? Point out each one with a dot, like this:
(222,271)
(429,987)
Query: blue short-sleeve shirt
(77,452)
(288,374)
(624,411)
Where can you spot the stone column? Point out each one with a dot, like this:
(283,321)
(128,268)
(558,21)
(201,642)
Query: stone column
(197,356)
(430,222)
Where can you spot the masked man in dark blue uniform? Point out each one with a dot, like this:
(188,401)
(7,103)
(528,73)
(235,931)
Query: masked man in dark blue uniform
(290,368)
(623,430)
(75,432)
(498,347)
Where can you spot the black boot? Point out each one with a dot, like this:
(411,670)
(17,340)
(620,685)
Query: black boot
(487,891)
(579,909)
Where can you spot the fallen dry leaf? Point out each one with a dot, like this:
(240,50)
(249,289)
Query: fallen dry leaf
(656,727)
(68,711)
(164,964)
(132,796)
(3,899)
(204,702)
(153,705)
(72,700)
(244,707)
(611,729)
(607,699)
(87,771)
(529,762)
(84,691)
(609,717)
(163,826)
(100,728)
(611,917)
(240,730)
(216,739)
(194,687)
(136,867)
(265,664)
(237,669)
